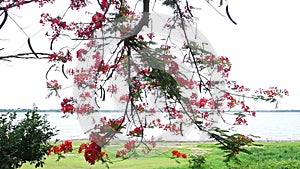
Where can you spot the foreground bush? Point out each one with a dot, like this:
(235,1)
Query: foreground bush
(25,140)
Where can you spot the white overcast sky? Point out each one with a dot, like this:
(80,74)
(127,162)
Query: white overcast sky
(263,48)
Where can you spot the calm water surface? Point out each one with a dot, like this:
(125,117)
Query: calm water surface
(267,125)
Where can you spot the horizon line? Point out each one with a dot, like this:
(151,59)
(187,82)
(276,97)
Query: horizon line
(116,110)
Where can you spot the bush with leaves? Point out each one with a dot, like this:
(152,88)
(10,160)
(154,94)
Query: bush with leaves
(197,161)
(25,140)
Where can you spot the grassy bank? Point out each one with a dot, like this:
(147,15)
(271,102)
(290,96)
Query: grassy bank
(272,155)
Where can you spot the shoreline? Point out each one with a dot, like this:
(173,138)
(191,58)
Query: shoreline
(161,141)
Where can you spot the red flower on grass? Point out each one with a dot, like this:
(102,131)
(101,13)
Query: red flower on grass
(177,154)
(92,152)
(64,147)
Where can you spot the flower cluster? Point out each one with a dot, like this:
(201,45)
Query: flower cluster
(129,146)
(77,4)
(60,57)
(99,139)
(112,89)
(85,108)
(92,152)
(138,132)
(220,63)
(224,66)
(67,105)
(156,123)
(232,101)
(178,154)
(81,30)
(121,153)
(64,147)
(152,142)
(124,98)
(240,120)
(85,95)
(271,93)
(247,109)
(184,82)
(79,54)
(173,113)
(102,67)
(18,3)
(110,125)
(232,85)
(53,86)
(172,127)
(238,140)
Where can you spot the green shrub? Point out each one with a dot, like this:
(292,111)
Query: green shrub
(196,161)
(26,140)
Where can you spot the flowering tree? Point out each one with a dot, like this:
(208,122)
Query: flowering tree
(160,72)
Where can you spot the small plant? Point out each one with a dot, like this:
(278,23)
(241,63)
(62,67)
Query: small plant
(197,161)
(25,140)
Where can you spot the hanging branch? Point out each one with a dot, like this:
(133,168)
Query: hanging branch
(189,47)
(49,71)
(227,12)
(4,19)
(63,71)
(21,56)
(30,47)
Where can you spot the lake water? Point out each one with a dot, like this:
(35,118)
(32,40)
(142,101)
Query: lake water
(268,125)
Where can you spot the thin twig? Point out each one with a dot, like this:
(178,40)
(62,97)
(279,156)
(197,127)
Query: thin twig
(21,56)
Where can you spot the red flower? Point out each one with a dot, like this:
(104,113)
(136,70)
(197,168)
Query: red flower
(130,145)
(56,149)
(183,155)
(124,98)
(67,105)
(63,147)
(136,132)
(177,154)
(174,152)
(66,146)
(92,152)
(202,102)
(104,4)
(79,54)
(97,19)
(82,147)
(150,35)
(121,153)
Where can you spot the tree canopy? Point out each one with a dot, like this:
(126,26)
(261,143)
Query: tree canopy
(159,70)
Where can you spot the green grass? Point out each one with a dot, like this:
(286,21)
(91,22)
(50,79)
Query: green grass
(158,157)
(272,155)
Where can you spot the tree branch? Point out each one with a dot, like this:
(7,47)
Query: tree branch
(21,56)
(15,5)
(143,21)
(4,19)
